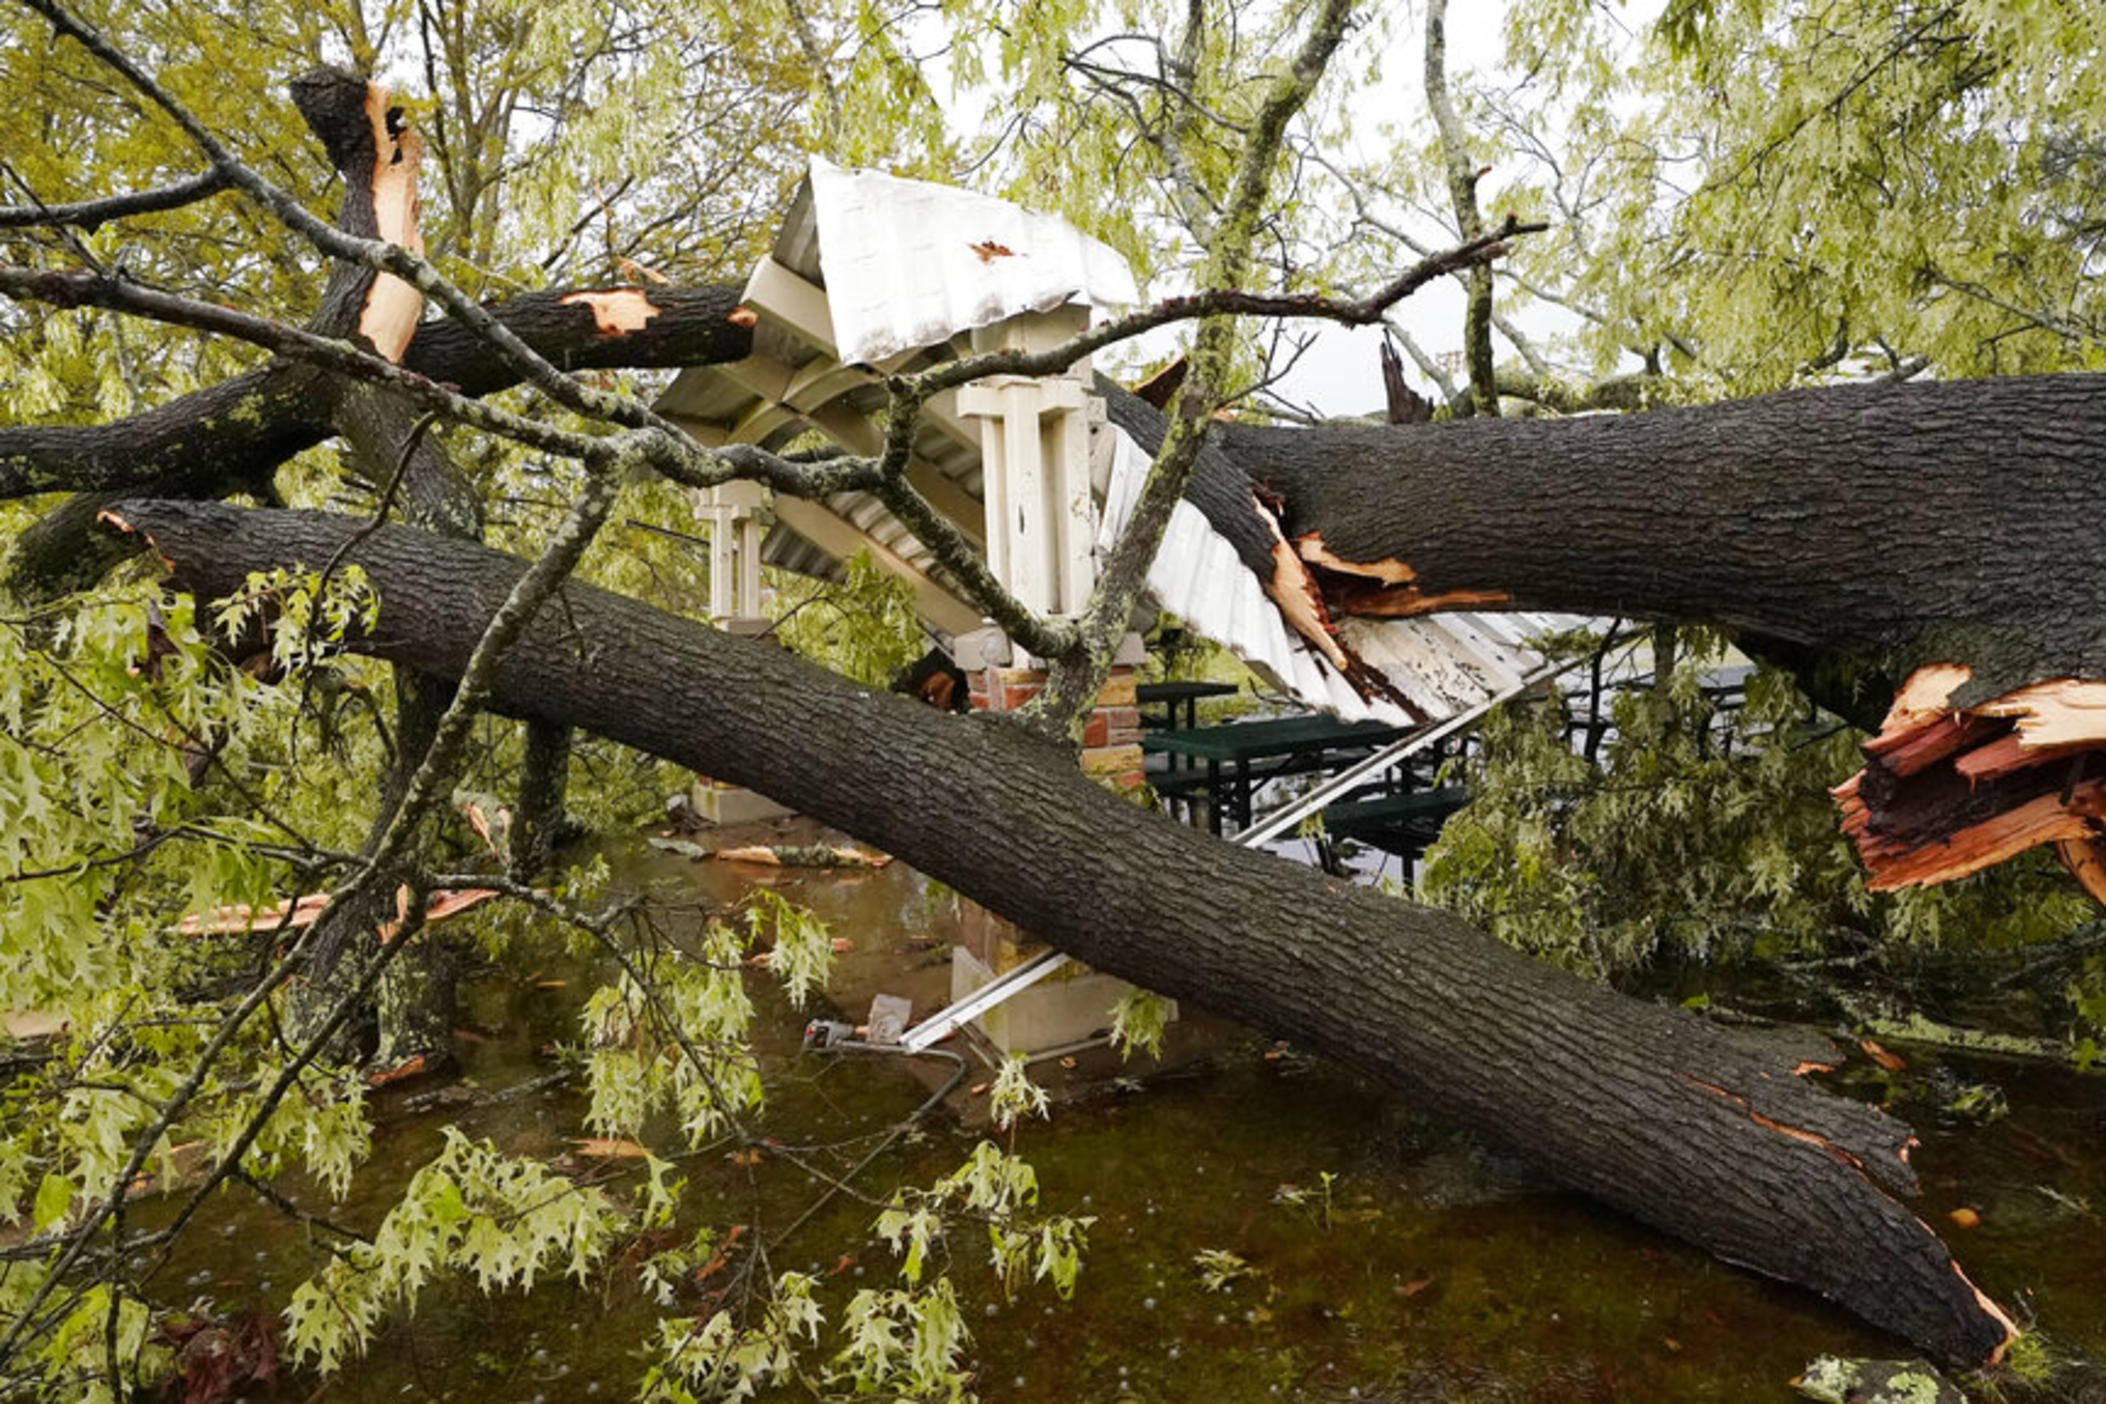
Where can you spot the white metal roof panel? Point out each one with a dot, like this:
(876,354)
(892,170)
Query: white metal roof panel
(1443,663)
(1198,577)
(909,263)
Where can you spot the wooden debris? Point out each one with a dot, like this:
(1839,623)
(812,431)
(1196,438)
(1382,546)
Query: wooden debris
(610,1148)
(816,855)
(1950,791)
(492,823)
(638,272)
(1892,1062)
(240,918)
(444,905)
(401,1072)
(34,1023)
(1158,388)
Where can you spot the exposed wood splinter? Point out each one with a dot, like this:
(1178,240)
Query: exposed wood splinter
(1298,592)
(1950,791)
(615,311)
(1385,589)
(108,517)
(1796,1133)
(1989,1308)
(393,308)
(1392,572)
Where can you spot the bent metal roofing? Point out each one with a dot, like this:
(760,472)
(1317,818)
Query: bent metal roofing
(898,273)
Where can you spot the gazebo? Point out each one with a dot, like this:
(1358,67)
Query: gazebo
(872,275)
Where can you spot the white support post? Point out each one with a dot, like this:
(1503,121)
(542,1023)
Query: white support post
(1035,465)
(733,513)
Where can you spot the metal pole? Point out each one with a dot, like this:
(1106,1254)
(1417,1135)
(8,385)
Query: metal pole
(1419,740)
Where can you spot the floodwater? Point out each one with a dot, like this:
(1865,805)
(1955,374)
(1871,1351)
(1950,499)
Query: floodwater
(1432,1269)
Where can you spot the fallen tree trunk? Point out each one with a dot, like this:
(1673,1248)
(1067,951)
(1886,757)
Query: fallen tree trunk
(1897,525)
(1921,543)
(1706,1134)
(244,427)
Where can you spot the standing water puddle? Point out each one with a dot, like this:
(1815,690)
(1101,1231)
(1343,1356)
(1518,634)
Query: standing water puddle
(1425,1267)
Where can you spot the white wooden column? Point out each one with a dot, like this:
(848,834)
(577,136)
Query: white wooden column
(1035,466)
(733,513)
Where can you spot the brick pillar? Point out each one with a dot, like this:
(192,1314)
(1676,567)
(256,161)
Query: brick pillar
(1111,738)
(1075,1003)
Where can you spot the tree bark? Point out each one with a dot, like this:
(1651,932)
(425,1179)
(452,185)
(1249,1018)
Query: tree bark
(1701,1132)
(229,433)
(389,447)
(1898,525)
(1919,540)
(539,816)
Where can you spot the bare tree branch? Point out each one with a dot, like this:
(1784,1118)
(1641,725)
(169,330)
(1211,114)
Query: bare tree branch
(92,214)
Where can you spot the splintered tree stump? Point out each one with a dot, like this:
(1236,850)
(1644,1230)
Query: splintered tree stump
(1706,1133)
(1948,791)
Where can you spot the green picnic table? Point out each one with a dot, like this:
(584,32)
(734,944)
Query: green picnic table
(1295,743)
(1170,695)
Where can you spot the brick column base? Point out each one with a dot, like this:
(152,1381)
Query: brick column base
(1111,738)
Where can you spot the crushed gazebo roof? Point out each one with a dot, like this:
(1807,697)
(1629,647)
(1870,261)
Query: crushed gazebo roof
(871,275)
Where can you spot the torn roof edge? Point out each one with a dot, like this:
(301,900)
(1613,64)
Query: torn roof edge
(911,263)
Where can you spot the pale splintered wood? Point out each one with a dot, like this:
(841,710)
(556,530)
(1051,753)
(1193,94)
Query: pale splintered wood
(1922,698)
(615,311)
(393,308)
(1947,792)
(2064,712)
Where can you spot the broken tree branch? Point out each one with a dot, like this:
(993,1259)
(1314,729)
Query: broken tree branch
(93,214)
(1469,220)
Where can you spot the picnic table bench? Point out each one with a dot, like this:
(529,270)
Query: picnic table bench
(1171,695)
(1402,822)
(1243,755)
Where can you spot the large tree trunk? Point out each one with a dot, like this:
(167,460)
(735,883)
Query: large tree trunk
(244,427)
(388,446)
(1902,525)
(1925,540)
(1698,1131)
